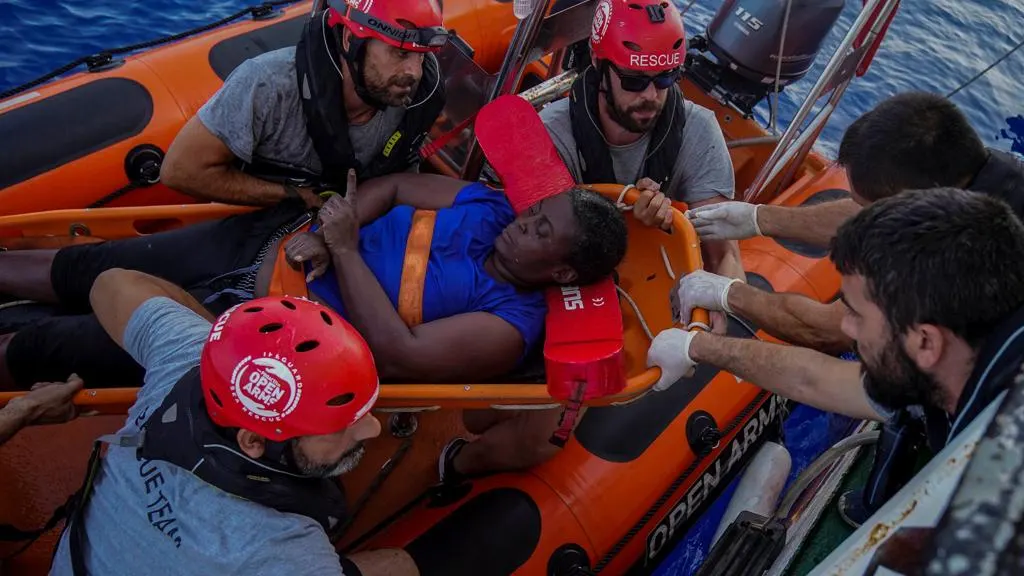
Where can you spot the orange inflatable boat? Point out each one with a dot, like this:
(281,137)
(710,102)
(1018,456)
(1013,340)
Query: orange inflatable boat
(638,470)
(110,156)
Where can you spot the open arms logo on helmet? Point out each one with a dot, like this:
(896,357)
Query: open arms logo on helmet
(285,367)
(602,17)
(268,388)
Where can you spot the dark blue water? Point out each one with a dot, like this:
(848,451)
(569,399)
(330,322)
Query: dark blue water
(932,45)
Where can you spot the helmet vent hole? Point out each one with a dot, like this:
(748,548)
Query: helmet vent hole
(216,399)
(307,346)
(635,6)
(288,304)
(272,327)
(677,44)
(327,318)
(632,46)
(342,399)
(252,309)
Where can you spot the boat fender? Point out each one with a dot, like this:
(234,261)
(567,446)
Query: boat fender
(592,148)
(760,487)
(320,88)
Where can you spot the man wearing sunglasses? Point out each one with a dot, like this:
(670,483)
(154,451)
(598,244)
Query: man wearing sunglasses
(626,121)
(360,90)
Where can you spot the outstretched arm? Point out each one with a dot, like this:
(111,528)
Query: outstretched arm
(46,403)
(792,317)
(799,374)
(423,191)
(814,225)
(811,224)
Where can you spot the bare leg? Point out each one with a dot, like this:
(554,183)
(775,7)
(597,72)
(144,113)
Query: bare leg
(515,442)
(387,562)
(26,274)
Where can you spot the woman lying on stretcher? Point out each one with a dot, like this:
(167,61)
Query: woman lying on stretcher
(470,315)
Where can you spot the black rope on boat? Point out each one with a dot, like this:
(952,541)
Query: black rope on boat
(375,485)
(986,70)
(105,57)
(739,420)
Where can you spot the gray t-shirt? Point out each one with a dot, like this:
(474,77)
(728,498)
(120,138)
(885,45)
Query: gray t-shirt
(258,115)
(151,517)
(703,169)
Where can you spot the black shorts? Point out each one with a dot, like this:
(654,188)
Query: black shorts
(215,261)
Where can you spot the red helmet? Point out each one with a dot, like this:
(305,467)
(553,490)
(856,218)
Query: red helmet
(638,35)
(414,25)
(286,367)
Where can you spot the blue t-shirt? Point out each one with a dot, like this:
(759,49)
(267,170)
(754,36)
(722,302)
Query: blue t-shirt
(456,282)
(151,517)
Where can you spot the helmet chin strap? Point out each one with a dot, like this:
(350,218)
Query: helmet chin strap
(355,56)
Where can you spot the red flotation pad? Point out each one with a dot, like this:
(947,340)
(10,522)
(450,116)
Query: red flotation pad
(584,343)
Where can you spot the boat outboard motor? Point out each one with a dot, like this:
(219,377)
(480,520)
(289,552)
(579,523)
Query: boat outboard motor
(744,38)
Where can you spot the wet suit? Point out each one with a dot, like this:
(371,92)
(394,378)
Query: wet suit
(217,263)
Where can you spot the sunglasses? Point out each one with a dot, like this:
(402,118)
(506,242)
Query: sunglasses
(640,82)
(433,37)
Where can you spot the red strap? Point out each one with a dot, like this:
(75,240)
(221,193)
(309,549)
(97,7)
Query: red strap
(431,148)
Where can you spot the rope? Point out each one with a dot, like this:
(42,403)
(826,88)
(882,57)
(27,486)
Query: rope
(104,57)
(687,9)
(378,481)
(986,70)
(636,310)
(778,71)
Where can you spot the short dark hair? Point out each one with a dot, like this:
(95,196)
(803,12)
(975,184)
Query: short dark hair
(600,243)
(943,256)
(914,140)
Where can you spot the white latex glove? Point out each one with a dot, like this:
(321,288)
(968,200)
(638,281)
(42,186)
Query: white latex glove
(725,221)
(670,351)
(703,289)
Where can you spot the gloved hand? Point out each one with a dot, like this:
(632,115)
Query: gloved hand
(670,351)
(703,289)
(725,221)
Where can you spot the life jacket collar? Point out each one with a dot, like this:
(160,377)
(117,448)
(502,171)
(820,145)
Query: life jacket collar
(180,432)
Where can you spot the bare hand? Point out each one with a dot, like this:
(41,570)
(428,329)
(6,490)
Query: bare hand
(652,207)
(308,247)
(51,402)
(719,322)
(339,219)
(311,198)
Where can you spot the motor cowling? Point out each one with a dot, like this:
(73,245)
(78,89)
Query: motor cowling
(745,35)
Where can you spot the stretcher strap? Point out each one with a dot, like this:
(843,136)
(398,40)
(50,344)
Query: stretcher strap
(285,280)
(414,268)
(570,414)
